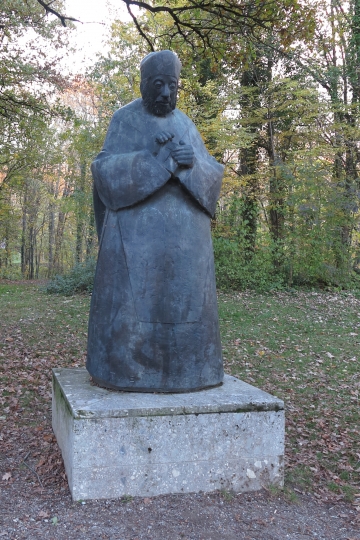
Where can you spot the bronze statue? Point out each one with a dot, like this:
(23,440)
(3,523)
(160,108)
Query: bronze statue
(153,320)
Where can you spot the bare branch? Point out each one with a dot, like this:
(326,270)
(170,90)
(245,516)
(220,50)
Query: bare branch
(62,18)
(139,29)
(223,17)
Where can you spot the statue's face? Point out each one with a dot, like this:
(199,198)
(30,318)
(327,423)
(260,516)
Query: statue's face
(159,94)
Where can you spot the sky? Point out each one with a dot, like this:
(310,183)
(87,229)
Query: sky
(88,38)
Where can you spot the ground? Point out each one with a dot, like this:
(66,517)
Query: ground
(301,346)
(28,512)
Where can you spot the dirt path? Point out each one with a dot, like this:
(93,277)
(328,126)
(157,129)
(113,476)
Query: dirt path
(29,512)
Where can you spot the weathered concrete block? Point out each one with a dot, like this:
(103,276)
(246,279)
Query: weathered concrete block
(120,443)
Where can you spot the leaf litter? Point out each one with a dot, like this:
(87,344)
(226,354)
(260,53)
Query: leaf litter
(302,347)
(274,342)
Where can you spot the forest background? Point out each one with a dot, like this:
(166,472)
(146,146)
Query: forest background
(274,89)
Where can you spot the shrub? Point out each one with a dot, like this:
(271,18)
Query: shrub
(79,279)
(233,272)
(12,272)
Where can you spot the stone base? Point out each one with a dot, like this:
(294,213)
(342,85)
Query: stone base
(120,443)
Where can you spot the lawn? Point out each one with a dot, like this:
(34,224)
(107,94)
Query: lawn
(304,348)
(301,346)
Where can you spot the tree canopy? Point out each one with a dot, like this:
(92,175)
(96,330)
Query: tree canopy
(273,88)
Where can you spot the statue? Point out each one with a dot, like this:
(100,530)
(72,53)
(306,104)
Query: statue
(153,323)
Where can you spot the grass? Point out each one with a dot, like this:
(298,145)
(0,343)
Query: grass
(300,346)
(37,332)
(227,495)
(303,347)
(45,322)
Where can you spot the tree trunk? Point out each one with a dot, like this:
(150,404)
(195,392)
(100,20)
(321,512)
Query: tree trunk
(32,242)
(59,235)
(23,234)
(277,188)
(51,228)
(90,240)
(248,164)
(80,192)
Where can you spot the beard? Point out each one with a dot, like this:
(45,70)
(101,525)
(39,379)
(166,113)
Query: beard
(158,108)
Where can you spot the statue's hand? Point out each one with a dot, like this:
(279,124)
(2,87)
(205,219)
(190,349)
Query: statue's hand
(184,155)
(164,136)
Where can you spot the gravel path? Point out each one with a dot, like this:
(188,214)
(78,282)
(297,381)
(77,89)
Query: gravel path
(29,512)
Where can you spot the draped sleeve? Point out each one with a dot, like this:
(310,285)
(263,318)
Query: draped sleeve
(124,172)
(203,180)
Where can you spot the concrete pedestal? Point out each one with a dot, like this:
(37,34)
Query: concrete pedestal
(120,443)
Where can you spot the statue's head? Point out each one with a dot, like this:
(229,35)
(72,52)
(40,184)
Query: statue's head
(160,73)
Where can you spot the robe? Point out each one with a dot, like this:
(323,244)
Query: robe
(153,322)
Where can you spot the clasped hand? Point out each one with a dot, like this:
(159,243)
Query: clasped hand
(182,153)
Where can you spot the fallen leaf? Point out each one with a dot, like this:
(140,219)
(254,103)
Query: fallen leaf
(6,476)
(43,514)
(41,462)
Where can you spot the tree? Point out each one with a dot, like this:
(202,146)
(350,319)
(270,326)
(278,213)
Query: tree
(333,64)
(28,77)
(199,23)
(274,97)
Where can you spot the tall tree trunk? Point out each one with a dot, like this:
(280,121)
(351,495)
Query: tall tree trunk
(7,245)
(354,61)
(277,187)
(248,164)
(32,242)
(80,214)
(59,235)
(346,155)
(51,229)
(24,233)
(5,225)
(90,240)
(58,241)
(39,248)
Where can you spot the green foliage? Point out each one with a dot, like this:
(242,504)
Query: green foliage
(79,279)
(302,347)
(234,272)
(127,499)
(289,209)
(227,495)
(11,272)
(28,78)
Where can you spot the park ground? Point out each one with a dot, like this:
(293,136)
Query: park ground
(302,346)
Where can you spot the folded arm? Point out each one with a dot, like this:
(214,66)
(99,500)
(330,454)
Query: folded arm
(199,173)
(124,179)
